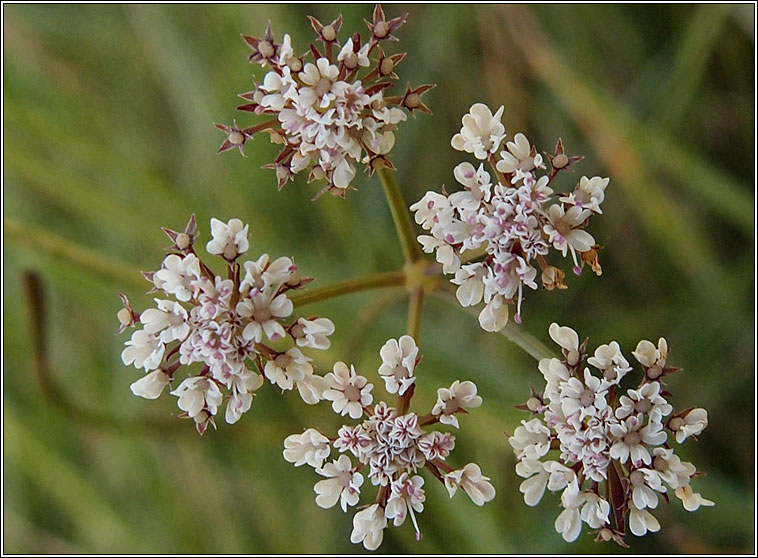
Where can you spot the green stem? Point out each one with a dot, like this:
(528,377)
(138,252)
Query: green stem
(401,216)
(39,239)
(415,308)
(514,333)
(388,279)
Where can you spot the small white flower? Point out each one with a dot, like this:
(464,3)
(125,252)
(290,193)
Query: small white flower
(564,231)
(471,289)
(144,349)
(348,391)
(536,475)
(445,254)
(263,310)
(354,439)
(477,187)
(595,511)
(177,276)
(532,440)
(343,174)
(568,339)
(518,157)
(428,209)
(436,445)
(460,395)
(585,398)
(254,279)
(647,400)
(342,483)
(642,521)
(311,388)
(320,77)
(196,394)
(312,333)
(482,132)
(368,527)
(555,374)
(287,368)
(151,385)
(561,477)
(691,500)
(494,316)
(239,403)
(406,496)
(644,484)
(652,358)
(398,363)
(286,52)
(169,318)
(672,470)
(215,298)
(472,482)
(692,424)
(569,521)
(310,447)
(229,239)
(632,440)
(351,58)
(609,360)
(588,194)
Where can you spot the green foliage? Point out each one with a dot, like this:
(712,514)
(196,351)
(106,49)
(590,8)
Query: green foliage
(108,136)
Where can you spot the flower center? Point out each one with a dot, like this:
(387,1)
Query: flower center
(265,49)
(352,393)
(587,398)
(323,87)
(643,406)
(632,438)
(262,314)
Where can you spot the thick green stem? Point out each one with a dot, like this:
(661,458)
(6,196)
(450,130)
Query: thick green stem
(401,216)
(379,280)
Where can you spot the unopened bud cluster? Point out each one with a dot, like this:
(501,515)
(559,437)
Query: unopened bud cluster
(331,113)
(606,449)
(236,327)
(390,445)
(513,215)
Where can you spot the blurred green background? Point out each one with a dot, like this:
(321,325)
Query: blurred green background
(108,136)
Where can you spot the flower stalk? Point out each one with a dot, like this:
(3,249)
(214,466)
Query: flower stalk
(400,215)
(376,281)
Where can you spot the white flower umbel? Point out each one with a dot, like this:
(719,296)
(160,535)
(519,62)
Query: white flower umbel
(223,324)
(390,445)
(332,113)
(606,450)
(510,218)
